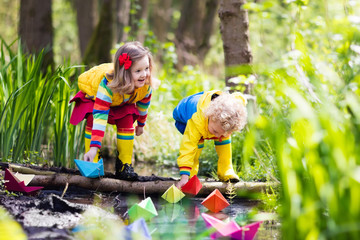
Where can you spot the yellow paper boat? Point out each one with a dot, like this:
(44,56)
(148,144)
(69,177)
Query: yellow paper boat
(173,194)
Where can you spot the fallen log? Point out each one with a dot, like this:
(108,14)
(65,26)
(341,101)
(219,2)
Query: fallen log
(27,170)
(150,187)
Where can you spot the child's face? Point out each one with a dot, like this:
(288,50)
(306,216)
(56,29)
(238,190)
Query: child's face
(216,129)
(140,71)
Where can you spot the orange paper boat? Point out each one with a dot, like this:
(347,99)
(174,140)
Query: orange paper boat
(14,184)
(215,202)
(193,186)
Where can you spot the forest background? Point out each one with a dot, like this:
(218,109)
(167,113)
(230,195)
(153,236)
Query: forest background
(298,61)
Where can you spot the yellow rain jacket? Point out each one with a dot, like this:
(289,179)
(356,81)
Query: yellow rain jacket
(196,131)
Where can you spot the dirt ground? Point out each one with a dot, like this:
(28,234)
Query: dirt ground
(47,215)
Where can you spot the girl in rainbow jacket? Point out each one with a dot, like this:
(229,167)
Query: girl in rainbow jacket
(117,94)
(208,115)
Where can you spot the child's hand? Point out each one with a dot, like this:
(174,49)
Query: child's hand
(139,130)
(90,155)
(183,180)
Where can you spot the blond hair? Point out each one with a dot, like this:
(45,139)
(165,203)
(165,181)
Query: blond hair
(229,111)
(121,78)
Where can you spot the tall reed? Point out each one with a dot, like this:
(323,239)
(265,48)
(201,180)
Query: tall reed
(34,109)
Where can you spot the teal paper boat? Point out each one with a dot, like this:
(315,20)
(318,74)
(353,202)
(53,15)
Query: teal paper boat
(90,169)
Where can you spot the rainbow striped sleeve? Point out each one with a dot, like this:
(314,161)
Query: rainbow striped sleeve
(223,141)
(185,170)
(143,106)
(101,113)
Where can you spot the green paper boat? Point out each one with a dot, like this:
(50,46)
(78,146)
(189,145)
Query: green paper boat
(145,209)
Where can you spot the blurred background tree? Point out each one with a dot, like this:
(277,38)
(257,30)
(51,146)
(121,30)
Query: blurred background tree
(86,31)
(36,30)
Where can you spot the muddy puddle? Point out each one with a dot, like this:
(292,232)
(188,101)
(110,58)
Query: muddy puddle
(48,216)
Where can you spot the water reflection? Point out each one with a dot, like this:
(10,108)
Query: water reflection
(181,220)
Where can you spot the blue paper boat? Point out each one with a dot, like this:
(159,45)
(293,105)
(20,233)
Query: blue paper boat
(90,169)
(138,230)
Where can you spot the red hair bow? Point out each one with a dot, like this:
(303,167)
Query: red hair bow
(124,59)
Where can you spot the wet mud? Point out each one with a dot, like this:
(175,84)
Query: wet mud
(47,215)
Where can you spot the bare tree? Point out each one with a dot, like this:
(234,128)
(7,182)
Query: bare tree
(122,20)
(160,18)
(98,50)
(35,28)
(234,29)
(138,21)
(207,27)
(194,30)
(86,16)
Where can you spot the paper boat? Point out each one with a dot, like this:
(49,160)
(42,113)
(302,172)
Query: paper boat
(173,194)
(14,184)
(90,169)
(145,209)
(247,232)
(230,229)
(138,230)
(24,177)
(215,202)
(193,186)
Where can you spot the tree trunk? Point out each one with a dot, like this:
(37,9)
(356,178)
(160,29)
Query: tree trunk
(35,29)
(86,20)
(98,50)
(161,18)
(139,21)
(151,187)
(234,29)
(60,177)
(122,20)
(207,28)
(187,33)
(194,30)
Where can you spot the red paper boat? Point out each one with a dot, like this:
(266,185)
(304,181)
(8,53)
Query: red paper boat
(13,184)
(193,186)
(215,202)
